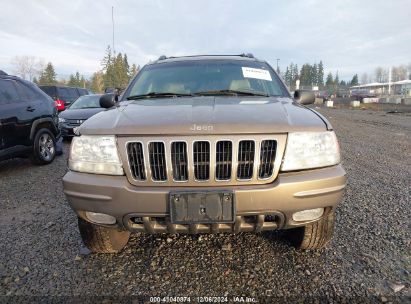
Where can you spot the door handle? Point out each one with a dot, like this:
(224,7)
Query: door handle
(30,109)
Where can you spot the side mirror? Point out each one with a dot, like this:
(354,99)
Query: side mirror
(108,100)
(304,97)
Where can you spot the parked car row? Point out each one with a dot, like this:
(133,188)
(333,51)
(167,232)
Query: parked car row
(28,121)
(32,120)
(63,96)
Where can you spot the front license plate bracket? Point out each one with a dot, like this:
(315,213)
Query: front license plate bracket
(204,207)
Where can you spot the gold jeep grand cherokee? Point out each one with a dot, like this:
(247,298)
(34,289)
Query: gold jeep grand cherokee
(205,144)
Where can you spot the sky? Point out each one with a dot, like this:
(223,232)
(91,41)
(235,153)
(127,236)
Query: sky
(348,36)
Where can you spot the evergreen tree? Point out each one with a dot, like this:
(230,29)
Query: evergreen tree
(320,75)
(133,71)
(329,82)
(354,80)
(107,65)
(48,75)
(314,74)
(305,75)
(336,79)
(287,77)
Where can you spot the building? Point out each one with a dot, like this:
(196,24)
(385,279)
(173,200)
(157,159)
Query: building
(402,87)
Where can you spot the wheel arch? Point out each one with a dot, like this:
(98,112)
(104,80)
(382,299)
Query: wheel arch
(43,123)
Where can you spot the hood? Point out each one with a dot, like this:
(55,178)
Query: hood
(205,115)
(82,114)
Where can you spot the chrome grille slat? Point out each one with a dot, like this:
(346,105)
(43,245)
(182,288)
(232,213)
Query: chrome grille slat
(267,158)
(209,159)
(201,158)
(158,168)
(246,152)
(136,160)
(179,161)
(223,160)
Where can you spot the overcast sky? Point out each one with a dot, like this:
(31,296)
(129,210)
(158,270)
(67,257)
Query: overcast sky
(350,36)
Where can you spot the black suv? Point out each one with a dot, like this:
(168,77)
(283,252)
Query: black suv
(62,95)
(28,121)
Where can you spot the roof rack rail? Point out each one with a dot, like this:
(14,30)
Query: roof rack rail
(162,57)
(249,55)
(3,73)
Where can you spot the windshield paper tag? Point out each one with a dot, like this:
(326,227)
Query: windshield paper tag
(256,73)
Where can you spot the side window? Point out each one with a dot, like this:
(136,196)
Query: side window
(8,92)
(74,93)
(62,93)
(30,92)
(83,92)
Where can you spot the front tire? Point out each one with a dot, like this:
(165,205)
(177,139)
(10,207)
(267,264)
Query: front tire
(102,239)
(315,235)
(44,147)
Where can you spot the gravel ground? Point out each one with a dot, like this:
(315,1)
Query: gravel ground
(369,259)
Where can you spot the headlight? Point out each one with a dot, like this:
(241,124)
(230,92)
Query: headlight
(62,120)
(95,154)
(307,150)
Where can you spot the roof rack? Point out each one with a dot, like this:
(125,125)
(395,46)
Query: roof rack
(3,73)
(163,57)
(249,55)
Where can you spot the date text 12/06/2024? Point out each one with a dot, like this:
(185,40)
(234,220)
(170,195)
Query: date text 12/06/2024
(204,299)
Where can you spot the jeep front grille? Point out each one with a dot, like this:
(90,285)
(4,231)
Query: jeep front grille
(224,156)
(201,153)
(156,152)
(208,160)
(246,153)
(267,157)
(136,160)
(179,161)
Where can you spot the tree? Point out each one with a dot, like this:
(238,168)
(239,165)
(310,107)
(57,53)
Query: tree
(320,74)
(336,81)
(330,81)
(48,75)
(107,65)
(314,74)
(27,67)
(133,71)
(379,71)
(343,83)
(97,82)
(354,80)
(399,73)
(364,78)
(305,75)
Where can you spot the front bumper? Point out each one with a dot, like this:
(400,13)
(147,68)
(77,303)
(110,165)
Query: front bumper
(258,207)
(67,131)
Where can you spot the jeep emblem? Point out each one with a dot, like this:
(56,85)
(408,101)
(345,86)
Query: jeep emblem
(195,127)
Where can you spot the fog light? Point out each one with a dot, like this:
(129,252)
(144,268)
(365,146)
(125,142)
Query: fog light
(308,215)
(101,218)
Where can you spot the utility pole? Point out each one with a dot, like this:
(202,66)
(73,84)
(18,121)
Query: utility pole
(112,19)
(278,69)
(114,49)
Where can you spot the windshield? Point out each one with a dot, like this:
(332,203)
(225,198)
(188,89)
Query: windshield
(207,77)
(86,101)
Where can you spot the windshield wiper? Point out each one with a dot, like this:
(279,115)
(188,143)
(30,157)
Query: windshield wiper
(232,92)
(156,95)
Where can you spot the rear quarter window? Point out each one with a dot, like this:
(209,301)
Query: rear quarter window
(51,91)
(63,93)
(8,92)
(32,93)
